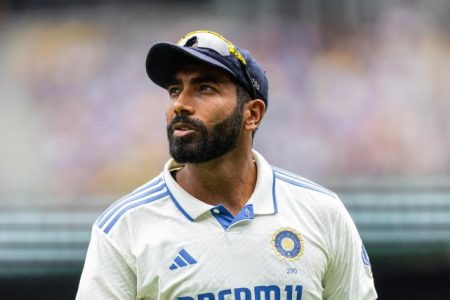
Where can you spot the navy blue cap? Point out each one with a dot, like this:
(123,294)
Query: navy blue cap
(164,60)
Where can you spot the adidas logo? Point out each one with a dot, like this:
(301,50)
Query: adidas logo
(182,259)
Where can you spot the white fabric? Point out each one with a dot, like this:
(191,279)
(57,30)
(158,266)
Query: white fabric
(136,244)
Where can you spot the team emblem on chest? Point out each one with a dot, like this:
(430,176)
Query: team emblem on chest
(288,243)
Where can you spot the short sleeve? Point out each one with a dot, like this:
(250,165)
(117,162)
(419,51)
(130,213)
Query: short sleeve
(349,275)
(106,273)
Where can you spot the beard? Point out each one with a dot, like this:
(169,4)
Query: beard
(203,146)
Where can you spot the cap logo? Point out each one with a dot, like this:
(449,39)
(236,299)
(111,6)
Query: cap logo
(255,83)
(191,42)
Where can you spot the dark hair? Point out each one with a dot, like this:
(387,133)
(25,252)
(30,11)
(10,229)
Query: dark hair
(243,97)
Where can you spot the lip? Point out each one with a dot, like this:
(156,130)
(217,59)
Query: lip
(183,126)
(181,133)
(182,129)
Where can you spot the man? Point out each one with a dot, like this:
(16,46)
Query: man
(219,222)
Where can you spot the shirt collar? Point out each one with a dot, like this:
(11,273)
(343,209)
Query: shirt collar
(263,198)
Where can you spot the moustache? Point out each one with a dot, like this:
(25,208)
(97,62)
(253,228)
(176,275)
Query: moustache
(195,124)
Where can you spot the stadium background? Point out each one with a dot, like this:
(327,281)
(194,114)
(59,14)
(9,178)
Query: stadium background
(359,101)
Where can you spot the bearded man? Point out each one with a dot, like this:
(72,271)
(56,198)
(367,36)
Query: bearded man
(220,222)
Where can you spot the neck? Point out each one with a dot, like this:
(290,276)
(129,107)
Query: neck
(228,180)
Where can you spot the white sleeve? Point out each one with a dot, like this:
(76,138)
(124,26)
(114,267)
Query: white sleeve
(349,275)
(106,273)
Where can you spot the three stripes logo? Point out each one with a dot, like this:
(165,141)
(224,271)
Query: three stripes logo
(183,259)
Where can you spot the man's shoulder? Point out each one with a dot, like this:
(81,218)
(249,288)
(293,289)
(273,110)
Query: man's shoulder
(303,195)
(148,193)
(302,183)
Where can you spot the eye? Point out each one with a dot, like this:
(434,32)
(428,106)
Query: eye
(205,88)
(174,91)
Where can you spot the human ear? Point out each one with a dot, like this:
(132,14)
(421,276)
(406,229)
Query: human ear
(253,114)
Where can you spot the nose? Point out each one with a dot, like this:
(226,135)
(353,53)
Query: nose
(183,104)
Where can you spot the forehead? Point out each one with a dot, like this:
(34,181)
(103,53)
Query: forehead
(199,70)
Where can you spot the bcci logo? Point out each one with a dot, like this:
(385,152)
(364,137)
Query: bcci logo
(288,243)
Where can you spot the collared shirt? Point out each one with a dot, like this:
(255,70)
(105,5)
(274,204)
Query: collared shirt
(293,239)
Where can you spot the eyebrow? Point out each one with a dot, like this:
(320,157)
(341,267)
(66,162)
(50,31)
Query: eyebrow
(198,79)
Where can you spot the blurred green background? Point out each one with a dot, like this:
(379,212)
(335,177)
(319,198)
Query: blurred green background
(359,102)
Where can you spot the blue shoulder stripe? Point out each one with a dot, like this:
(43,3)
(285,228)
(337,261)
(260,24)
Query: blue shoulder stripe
(301,179)
(274,195)
(298,181)
(127,208)
(303,185)
(130,197)
(148,185)
(126,201)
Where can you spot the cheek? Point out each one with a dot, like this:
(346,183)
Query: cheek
(216,114)
(210,119)
(169,115)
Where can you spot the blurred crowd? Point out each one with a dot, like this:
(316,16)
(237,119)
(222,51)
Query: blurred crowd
(79,114)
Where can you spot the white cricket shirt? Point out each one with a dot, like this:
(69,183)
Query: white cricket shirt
(293,240)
